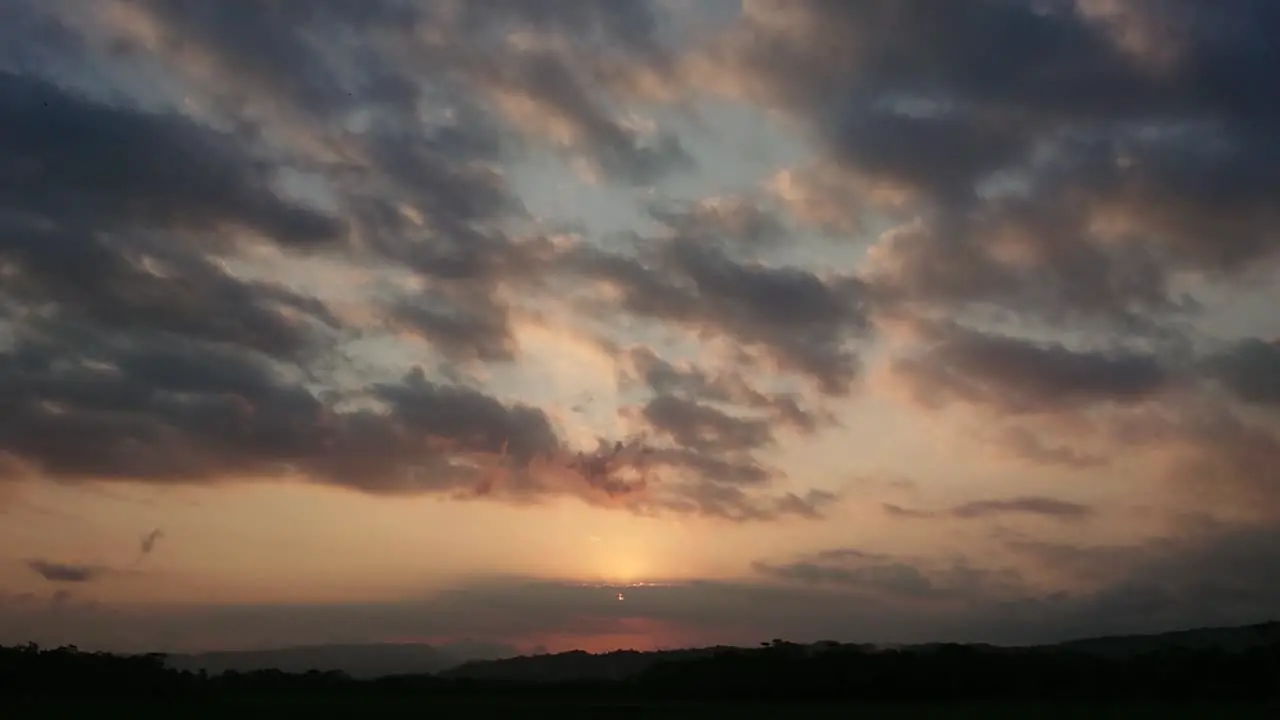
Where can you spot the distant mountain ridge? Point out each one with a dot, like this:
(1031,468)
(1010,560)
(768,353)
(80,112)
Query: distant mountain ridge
(1226,639)
(579,665)
(480,661)
(361,661)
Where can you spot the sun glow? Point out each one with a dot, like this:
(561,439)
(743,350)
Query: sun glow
(624,569)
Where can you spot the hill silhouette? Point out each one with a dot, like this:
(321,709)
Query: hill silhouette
(357,661)
(1210,670)
(579,665)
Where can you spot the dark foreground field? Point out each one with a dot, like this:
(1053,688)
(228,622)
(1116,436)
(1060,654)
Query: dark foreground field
(779,680)
(374,709)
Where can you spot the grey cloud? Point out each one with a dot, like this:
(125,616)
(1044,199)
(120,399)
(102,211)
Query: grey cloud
(704,428)
(730,469)
(286,51)
(895,578)
(720,494)
(735,222)
(111,284)
(1017,375)
(481,330)
(631,23)
(306,55)
(552,85)
(1024,444)
(425,193)
(196,413)
(807,324)
(1028,259)
(436,206)
(1067,182)
(978,509)
(1030,505)
(108,218)
(721,386)
(1223,460)
(140,351)
(904,512)
(148,542)
(1214,576)
(1250,370)
(63,572)
(87,164)
(942,155)
(1209,577)
(931,68)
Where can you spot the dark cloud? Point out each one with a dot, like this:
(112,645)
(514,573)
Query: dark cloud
(719,493)
(1218,460)
(805,324)
(1251,371)
(148,542)
(723,387)
(192,412)
(979,509)
(292,53)
(110,216)
(306,57)
(1023,444)
(1016,375)
(1111,146)
(480,330)
(1069,186)
(64,573)
(556,96)
(738,223)
(1026,260)
(196,412)
(91,166)
(879,577)
(142,352)
(1030,505)
(704,428)
(886,575)
(632,24)
(423,193)
(1214,575)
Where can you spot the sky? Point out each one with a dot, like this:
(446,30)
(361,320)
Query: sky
(636,323)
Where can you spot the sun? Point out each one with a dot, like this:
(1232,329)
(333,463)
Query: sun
(624,569)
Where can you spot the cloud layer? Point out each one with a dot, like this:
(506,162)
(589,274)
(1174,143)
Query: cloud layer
(246,241)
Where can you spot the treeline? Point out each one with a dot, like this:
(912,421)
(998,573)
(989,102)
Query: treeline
(779,672)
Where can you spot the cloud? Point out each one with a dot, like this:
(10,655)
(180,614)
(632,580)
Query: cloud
(82,209)
(148,542)
(980,509)
(542,94)
(194,413)
(540,65)
(1207,575)
(1023,444)
(161,169)
(1019,376)
(1058,232)
(64,573)
(150,343)
(803,323)
(1251,371)
(1069,185)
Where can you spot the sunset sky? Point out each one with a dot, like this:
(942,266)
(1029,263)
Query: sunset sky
(381,320)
